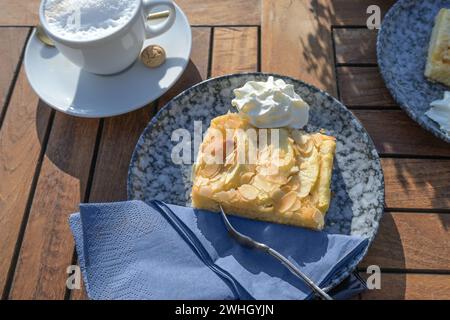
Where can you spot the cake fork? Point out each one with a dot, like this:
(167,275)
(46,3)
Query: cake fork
(249,242)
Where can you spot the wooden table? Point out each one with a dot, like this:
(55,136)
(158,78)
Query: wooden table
(50,162)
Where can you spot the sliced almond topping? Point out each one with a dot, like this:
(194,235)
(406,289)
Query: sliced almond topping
(317,138)
(210,170)
(268,209)
(268,169)
(294,182)
(230,158)
(248,191)
(300,137)
(247,177)
(306,148)
(224,196)
(205,191)
(288,214)
(262,184)
(309,172)
(313,218)
(234,195)
(232,175)
(278,179)
(287,201)
(318,218)
(297,205)
(277,195)
(294,170)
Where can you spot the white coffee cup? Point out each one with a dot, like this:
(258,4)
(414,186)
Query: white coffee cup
(117,51)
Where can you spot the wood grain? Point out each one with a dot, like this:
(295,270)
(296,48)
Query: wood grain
(363,86)
(12,41)
(353,12)
(235,50)
(392,132)
(118,140)
(355,45)
(199,12)
(19,13)
(411,241)
(47,248)
(224,12)
(23,129)
(410,287)
(417,183)
(197,69)
(297,41)
(110,174)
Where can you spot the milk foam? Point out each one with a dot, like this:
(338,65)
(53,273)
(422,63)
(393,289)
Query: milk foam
(87,19)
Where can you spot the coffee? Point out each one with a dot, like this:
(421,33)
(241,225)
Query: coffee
(87,19)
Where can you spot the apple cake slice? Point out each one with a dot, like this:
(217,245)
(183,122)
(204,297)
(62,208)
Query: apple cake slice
(280,176)
(438,63)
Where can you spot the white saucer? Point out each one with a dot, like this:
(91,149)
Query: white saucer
(66,88)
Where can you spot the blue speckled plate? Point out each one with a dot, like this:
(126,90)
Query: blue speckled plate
(402,50)
(357,184)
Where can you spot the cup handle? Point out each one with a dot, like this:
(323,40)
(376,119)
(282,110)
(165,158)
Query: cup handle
(156,30)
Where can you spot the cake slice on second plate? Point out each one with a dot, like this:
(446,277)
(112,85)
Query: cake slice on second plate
(438,63)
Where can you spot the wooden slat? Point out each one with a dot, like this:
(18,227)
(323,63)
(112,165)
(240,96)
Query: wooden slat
(363,86)
(197,69)
(47,247)
(410,287)
(297,41)
(21,135)
(224,12)
(355,45)
(353,12)
(12,41)
(199,12)
(417,183)
(119,137)
(235,50)
(395,133)
(411,241)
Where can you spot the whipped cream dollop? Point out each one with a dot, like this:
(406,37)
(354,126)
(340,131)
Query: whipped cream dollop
(440,112)
(271,104)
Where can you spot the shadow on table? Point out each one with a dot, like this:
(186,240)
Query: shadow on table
(385,251)
(410,184)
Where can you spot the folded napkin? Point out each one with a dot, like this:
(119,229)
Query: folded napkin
(134,250)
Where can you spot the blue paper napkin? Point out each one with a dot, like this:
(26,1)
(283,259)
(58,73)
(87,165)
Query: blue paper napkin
(134,250)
